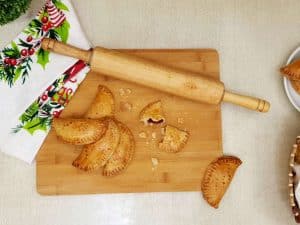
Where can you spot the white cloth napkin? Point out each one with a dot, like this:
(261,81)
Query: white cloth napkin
(36,85)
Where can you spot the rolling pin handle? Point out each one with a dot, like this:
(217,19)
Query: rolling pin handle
(67,50)
(252,103)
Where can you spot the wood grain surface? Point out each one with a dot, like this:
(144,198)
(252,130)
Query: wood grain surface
(182,171)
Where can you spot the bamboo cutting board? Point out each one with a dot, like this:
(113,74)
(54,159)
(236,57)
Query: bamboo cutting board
(182,171)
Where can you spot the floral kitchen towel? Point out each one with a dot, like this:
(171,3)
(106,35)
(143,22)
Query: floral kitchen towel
(29,130)
(36,84)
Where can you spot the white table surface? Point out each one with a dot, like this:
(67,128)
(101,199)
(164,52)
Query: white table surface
(253,38)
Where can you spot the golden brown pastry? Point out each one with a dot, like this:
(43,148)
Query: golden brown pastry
(217,178)
(152,114)
(123,154)
(103,104)
(79,131)
(173,140)
(97,154)
(292,71)
(296,85)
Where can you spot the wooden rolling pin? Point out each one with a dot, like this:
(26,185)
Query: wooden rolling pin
(138,70)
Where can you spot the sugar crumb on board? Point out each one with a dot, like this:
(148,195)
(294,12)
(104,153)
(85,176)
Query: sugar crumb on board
(125,91)
(180,120)
(121,92)
(128,91)
(143,134)
(153,135)
(154,163)
(125,106)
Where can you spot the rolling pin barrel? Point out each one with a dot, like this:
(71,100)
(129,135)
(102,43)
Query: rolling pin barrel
(178,82)
(148,73)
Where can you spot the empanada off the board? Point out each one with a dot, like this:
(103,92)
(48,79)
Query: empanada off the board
(292,71)
(296,85)
(217,178)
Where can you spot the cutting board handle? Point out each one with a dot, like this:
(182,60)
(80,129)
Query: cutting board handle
(252,103)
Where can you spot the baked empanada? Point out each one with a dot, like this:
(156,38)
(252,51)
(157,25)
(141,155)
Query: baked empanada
(292,71)
(103,104)
(79,131)
(173,140)
(123,153)
(152,113)
(217,178)
(296,85)
(97,154)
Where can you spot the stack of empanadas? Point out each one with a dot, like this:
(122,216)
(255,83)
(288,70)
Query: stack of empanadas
(107,142)
(292,72)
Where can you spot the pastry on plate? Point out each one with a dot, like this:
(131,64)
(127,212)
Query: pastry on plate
(217,177)
(152,114)
(292,71)
(103,104)
(79,131)
(173,140)
(123,153)
(296,85)
(97,154)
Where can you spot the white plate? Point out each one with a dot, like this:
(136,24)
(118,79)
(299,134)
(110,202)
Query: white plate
(293,96)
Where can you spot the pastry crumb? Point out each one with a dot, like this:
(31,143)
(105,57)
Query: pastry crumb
(128,91)
(162,130)
(180,120)
(124,91)
(142,134)
(153,135)
(125,106)
(121,92)
(154,163)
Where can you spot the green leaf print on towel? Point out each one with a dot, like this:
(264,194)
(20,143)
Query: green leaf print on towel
(43,57)
(60,5)
(63,31)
